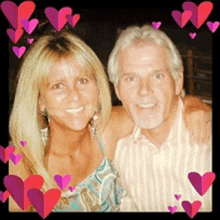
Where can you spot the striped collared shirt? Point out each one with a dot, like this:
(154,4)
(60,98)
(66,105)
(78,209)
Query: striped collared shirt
(153,176)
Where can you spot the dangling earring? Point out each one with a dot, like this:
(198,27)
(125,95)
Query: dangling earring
(45,131)
(94,122)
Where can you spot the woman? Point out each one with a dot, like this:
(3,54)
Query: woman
(61,107)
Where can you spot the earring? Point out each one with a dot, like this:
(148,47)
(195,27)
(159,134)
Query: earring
(94,122)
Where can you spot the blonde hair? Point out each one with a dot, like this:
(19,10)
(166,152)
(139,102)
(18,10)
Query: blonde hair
(25,119)
(145,33)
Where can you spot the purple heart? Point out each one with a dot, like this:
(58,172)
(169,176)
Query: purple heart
(19,51)
(29,26)
(15,158)
(4,152)
(177,197)
(172,209)
(30,40)
(156,25)
(192,35)
(23,143)
(212,26)
(62,182)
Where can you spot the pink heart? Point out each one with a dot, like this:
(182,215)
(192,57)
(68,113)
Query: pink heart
(72,188)
(200,13)
(72,20)
(18,188)
(19,51)
(23,143)
(57,18)
(62,182)
(213,26)
(4,196)
(172,209)
(4,152)
(156,25)
(15,158)
(191,209)
(29,26)
(192,35)
(201,184)
(177,197)
(14,35)
(15,14)
(30,40)
(44,203)
(181,19)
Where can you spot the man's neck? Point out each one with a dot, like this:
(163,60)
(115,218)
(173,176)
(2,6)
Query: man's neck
(159,134)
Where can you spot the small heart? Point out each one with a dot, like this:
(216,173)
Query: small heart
(29,26)
(4,196)
(213,26)
(172,209)
(177,197)
(23,143)
(191,209)
(201,183)
(44,203)
(156,25)
(57,18)
(192,35)
(4,152)
(181,19)
(72,20)
(72,188)
(62,182)
(30,40)
(18,188)
(15,158)
(19,51)
(14,35)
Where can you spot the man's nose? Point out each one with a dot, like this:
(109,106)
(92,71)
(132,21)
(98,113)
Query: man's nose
(144,87)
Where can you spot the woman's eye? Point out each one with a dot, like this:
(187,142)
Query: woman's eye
(83,81)
(58,86)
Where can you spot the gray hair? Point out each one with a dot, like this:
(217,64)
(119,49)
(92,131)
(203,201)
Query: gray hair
(145,33)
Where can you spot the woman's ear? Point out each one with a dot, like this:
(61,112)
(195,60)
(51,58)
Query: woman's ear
(41,104)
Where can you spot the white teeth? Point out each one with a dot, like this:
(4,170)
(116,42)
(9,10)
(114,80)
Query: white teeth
(74,110)
(147,105)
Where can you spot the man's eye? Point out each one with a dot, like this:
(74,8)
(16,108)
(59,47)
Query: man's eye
(129,79)
(159,75)
(58,86)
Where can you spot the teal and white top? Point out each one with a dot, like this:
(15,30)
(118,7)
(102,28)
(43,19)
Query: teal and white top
(98,192)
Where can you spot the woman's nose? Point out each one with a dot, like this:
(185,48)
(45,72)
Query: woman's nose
(73,93)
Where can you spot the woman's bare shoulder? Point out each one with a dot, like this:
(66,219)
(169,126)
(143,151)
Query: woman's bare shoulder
(119,126)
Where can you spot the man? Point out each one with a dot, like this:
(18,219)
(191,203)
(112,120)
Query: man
(155,159)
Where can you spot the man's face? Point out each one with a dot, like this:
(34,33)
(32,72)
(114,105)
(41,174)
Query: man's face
(146,87)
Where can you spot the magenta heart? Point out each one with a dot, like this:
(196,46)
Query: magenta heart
(57,18)
(15,158)
(4,152)
(4,196)
(201,184)
(18,188)
(72,20)
(172,209)
(191,209)
(29,26)
(200,13)
(14,35)
(177,197)
(156,25)
(44,203)
(62,182)
(213,26)
(23,143)
(30,40)
(19,51)
(181,18)
(15,14)
(192,35)
(72,188)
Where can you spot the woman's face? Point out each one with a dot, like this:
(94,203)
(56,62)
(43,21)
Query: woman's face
(70,95)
